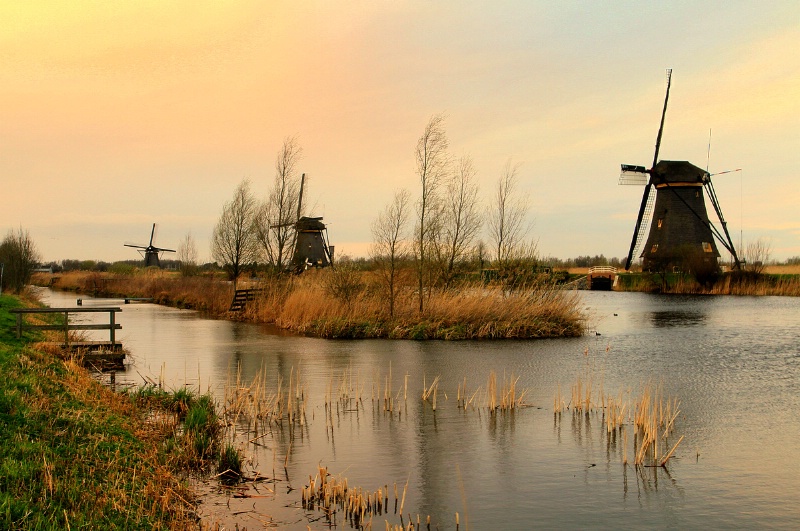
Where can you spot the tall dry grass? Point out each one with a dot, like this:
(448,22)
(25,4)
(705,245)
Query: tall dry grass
(471,312)
(307,304)
(201,293)
(786,283)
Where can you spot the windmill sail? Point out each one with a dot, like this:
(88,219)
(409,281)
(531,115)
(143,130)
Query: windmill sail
(644,228)
(633,175)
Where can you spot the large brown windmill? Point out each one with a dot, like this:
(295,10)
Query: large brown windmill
(673,205)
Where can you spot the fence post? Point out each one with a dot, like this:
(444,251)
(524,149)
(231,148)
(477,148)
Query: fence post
(19,325)
(66,328)
(111,314)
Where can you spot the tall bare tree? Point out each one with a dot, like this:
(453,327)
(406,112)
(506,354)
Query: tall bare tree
(388,243)
(187,255)
(461,219)
(233,243)
(276,216)
(757,255)
(18,256)
(432,164)
(506,218)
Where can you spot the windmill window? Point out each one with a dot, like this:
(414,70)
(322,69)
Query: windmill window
(660,222)
(707,247)
(697,193)
(654,248)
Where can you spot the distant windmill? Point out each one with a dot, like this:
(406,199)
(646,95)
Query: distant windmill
(150,252)
(674,207)
(311,247)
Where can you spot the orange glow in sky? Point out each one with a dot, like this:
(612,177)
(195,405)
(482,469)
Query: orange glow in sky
(115,115)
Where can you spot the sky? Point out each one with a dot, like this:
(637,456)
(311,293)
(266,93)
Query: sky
(118,115)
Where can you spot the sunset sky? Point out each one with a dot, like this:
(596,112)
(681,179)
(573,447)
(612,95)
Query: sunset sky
(116,115)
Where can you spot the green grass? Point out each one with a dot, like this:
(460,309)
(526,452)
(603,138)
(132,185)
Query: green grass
(73,454)
(229,465)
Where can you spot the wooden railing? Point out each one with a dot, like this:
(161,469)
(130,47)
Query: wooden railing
(112,326)
(602,269)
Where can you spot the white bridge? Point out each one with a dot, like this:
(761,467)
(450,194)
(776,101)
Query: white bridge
(601,277)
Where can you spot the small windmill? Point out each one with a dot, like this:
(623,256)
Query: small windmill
(311,248)
(150,252)
(673,205)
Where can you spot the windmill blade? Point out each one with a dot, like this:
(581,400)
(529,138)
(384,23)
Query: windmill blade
(137,246)
(152,234)
(633,175)
(663,115)
(160,250)
(724,172)
(727,242)
(300,195)
(638,232)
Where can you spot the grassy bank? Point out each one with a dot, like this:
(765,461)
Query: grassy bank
(344,304)
(76,455)
(731,283)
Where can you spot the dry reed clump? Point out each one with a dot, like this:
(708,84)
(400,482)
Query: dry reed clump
(508,398)
(255,409)
(333,495)
(654,421)
(651,416)
(473,312)
(758,285)
(201,293)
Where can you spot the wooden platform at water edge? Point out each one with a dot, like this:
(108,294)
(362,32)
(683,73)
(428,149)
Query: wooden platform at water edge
(101,355)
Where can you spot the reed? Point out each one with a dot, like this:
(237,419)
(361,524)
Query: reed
(333,495)
(430,391)
(651,416)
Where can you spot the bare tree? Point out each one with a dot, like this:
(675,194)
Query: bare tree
(432,162)
(506,218)
(187,255)
(233,243)
(388,245)
(757,255)
(19,256)
(276,216)
(461,219)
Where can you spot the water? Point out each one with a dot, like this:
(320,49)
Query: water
(733,362)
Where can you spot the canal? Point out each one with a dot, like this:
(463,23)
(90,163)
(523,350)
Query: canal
(732,364)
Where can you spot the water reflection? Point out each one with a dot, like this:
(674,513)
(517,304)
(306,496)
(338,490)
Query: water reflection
(670,318)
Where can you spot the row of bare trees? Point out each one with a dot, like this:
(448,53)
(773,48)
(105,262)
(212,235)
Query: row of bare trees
(249,230)
(448,219)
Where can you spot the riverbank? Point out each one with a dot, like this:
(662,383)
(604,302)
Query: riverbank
(322,304)
(76,455)
(778,281)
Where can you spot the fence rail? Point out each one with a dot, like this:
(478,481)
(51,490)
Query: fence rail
(112,326)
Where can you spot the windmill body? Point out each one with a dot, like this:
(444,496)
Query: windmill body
(681,235)
(311,245)
(680,231)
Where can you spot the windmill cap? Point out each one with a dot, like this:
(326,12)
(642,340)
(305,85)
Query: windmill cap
(678,171)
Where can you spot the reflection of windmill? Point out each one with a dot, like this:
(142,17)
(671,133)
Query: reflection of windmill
(674,207)
(150,252)
(311,248)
